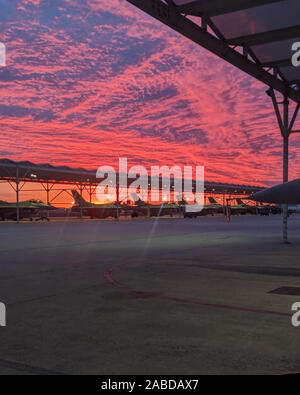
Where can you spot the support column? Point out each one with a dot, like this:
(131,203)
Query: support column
(285,164)
(18,195)
(48,199)
(81,208)
(90,193)
(47,192)
(118,196)
(286,130)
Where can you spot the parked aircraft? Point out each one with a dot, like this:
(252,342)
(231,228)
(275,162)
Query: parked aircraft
(219,207)
(294,209)
(287,193)
(27,209)
(269,209)
(143,208)
(208,209)
(93,210)
(241,208)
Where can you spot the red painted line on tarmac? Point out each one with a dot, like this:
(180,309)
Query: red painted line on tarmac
(116,284)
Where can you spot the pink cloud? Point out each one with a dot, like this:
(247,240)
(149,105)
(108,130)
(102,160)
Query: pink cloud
(90,81)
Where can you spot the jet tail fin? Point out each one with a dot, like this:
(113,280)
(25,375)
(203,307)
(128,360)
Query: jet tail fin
(138,201)
(181,200)
(78,198)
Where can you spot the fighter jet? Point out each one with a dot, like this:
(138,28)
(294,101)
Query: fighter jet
(143,208)
(267,209)
(242,208)
(208,209)
(288,193)
(294,209)
(27,209)
(214,204)
(93,210)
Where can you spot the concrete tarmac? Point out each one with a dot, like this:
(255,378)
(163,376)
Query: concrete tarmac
(173,296)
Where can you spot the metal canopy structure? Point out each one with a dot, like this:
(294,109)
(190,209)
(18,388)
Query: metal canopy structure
(255,36)
(45,173)
(18,174)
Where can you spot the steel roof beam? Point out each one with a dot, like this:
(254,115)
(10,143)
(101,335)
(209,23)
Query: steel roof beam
(278,63)
(220,7)
(172,18)
(266,37)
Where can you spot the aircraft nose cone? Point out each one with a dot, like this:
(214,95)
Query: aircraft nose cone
(263,196)
(288,193)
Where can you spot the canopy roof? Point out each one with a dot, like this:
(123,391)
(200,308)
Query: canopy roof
(254,35)
(30,172)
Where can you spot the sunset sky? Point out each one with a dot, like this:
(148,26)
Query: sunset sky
(89,81)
